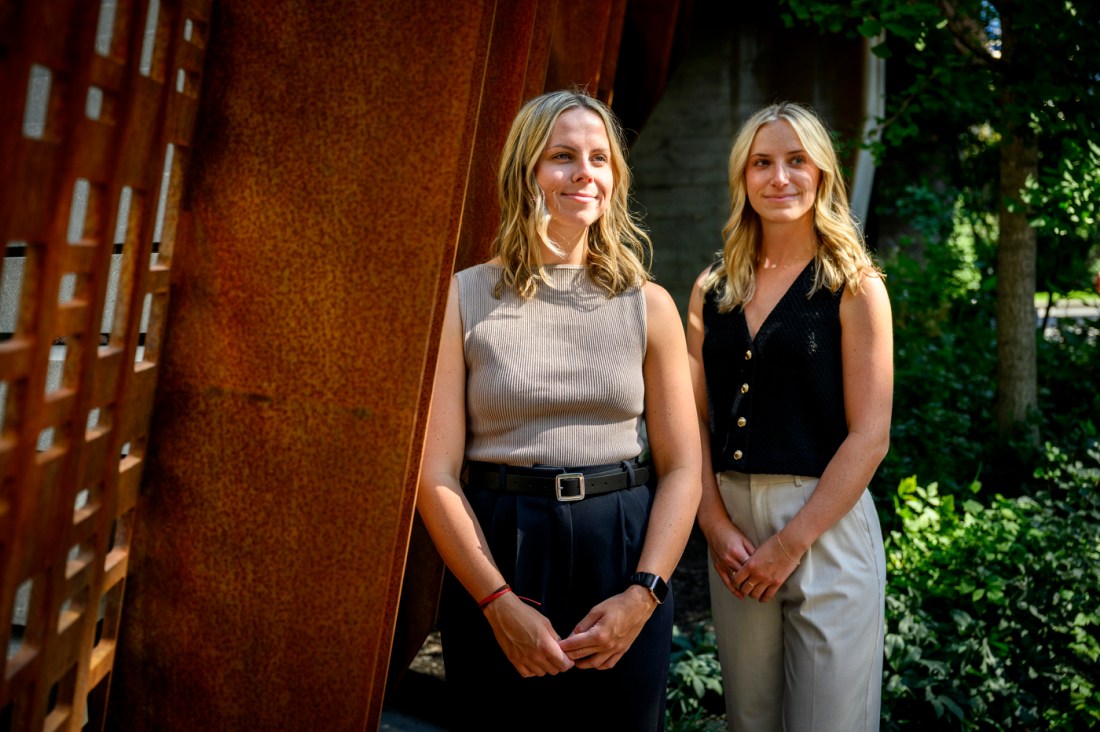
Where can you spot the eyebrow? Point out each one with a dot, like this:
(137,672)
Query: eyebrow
(563,146)
(789,152)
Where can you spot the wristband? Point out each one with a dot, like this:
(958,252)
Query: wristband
(498,592)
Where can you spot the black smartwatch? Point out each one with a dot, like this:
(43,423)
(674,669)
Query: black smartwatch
(651,582)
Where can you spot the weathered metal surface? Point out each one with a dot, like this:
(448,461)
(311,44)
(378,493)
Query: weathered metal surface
(584,46)
(331,162)
(93,99)
(515,70)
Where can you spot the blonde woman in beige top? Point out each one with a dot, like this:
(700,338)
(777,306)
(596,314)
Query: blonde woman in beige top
(560,518)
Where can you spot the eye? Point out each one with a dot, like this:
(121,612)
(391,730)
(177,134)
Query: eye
(601,158)
(560,156)
(798,159)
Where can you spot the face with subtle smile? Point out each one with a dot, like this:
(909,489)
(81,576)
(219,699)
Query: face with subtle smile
(780,178)
(575,175)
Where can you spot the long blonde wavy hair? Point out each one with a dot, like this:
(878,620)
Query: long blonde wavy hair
(618,248)
(840,258)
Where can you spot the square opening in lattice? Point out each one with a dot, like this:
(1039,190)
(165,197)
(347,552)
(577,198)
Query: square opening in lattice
(93,104)
(105,25)
(146,310)
(45,439)
(87,502)
(20,614)
(120,275)
(59,702)
(151,61)
(86,213)
(66,291)
(13,270)
(104,625)
(119,538)
(55,369)
(38,102)
(169,196)
(71,610)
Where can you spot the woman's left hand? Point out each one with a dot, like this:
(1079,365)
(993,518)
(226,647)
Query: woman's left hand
(608,630)
(763,573)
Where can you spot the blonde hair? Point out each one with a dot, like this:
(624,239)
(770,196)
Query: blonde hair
(618,248)
(840,257)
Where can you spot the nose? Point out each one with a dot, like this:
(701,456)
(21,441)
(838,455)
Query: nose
(583,172)
(780,177)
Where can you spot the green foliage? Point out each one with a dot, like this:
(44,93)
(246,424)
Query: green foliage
(694,682)
(944,347)
(993,611)
(964,78)
(945,352)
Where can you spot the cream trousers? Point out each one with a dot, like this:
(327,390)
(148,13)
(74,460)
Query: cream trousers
(811,658)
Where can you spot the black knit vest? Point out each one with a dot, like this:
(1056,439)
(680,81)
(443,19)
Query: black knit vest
(776,402)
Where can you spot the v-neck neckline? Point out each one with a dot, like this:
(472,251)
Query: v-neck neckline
(786,294)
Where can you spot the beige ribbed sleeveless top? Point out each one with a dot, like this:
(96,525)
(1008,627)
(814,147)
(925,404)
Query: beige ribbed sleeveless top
(555,380)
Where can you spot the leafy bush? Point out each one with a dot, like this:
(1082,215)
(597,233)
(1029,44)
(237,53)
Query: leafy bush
(993,612)
(695,700)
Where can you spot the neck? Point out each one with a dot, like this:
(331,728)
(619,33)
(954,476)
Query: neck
(571,249)
(782,247)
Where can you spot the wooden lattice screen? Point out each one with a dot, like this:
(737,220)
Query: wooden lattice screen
(98,101)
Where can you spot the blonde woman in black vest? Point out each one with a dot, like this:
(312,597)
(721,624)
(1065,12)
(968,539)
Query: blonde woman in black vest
(558,535)
(790,341)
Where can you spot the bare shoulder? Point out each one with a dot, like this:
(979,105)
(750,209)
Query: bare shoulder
(866,311)
(702,278)
(662,317)
(656,296)
(871,295)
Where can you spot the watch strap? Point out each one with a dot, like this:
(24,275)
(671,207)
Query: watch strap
(656,586)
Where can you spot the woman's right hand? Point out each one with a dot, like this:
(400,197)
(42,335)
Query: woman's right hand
(729,549)
(526,637)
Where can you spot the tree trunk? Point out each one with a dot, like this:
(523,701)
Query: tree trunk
(1017,389)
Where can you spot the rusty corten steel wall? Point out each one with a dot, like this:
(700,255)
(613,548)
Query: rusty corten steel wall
(330,172)
(338,146)
(515,71)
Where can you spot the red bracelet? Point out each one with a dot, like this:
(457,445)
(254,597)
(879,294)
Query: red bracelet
(504,590)
(500,591)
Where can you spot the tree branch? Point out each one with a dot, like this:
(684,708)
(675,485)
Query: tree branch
(966,32)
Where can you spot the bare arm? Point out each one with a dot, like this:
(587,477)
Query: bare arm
(729,547)
(867,356)
(606,633)
(526,637)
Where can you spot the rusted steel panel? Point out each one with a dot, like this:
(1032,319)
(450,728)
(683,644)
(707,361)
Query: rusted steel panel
(584,46)
(328,179)
(519,40)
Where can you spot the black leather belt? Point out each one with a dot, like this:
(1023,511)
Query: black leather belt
(565,484)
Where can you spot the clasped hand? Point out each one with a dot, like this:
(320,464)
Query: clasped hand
(747,571)
(598,641)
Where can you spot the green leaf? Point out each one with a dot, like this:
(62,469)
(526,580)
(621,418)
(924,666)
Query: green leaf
(870,28)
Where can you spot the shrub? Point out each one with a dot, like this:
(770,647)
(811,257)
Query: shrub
(695,700)
(993,611)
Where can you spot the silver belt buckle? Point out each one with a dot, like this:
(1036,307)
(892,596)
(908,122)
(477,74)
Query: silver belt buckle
(579,477)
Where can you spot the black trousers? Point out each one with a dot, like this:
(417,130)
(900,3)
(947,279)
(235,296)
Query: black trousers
(569,557)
